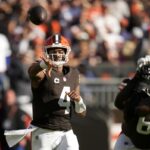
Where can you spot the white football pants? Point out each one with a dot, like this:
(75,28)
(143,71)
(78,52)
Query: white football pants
(124,143)
(43,139)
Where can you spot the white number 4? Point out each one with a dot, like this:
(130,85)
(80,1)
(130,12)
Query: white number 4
(64,100)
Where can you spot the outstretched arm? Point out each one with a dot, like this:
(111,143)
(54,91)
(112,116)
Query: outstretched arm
(125,92)
(38,69)
(142,73)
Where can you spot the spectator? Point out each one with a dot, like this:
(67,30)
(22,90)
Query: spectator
(14,118)
(20,81)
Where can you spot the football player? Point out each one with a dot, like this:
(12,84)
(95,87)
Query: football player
(56,93)
(134,100)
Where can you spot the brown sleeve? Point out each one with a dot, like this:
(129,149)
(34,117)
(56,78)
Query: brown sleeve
(36,74)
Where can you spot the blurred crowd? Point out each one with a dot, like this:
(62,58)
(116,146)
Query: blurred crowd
(107,37)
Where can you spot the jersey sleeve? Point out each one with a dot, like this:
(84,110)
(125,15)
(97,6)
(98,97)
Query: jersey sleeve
(124,95)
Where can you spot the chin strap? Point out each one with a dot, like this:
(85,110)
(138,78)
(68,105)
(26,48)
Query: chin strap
(58,64)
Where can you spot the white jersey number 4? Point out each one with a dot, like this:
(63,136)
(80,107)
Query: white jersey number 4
(64,100)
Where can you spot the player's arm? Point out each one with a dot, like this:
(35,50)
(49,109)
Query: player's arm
(142,73)
(36,74)
(126,92)
(37,71)
(80,107)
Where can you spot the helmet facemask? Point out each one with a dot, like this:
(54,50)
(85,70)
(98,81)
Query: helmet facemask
(57,59)
(57,42)
(146,72)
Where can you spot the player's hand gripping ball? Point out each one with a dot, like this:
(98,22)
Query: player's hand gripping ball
(37,15)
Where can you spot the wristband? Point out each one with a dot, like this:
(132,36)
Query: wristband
(80,106)
(43,65)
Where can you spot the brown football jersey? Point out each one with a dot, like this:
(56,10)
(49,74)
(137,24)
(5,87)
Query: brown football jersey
(51,105)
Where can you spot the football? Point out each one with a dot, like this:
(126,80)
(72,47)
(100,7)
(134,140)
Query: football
(37,15)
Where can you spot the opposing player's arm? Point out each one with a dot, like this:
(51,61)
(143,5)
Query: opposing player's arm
(142,73)
(125,93)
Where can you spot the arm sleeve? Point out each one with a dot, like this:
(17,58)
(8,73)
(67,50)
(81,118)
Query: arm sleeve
(124,94)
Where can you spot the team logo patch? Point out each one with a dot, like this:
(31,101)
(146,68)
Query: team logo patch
(56,80)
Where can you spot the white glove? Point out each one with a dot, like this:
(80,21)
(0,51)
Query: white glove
(143,61)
